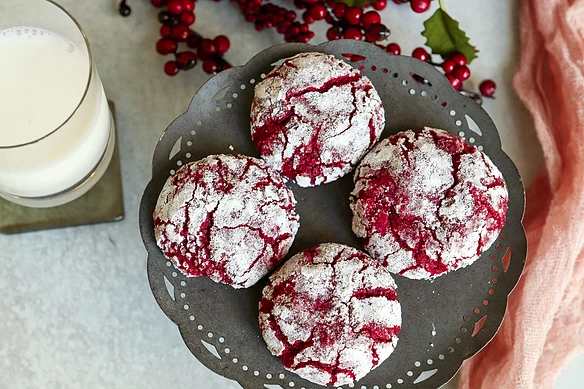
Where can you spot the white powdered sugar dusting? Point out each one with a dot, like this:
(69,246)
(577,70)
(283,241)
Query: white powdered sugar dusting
(314,117)
(229,217)
(427,203)
(331,314)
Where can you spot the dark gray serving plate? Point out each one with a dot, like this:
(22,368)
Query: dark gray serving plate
(444,322)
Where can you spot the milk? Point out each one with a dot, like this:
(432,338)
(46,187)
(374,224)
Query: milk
(43,79)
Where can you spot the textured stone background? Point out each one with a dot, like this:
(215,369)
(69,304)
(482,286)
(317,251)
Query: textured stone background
(76,310)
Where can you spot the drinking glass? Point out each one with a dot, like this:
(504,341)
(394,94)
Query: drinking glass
(56,131)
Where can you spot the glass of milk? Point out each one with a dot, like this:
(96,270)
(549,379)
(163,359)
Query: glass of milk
(56,131)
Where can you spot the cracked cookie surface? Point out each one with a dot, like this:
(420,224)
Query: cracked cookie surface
(314,117)
(228,217)
(426,203)
(331,314)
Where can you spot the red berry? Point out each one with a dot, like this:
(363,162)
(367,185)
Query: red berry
(421,54)
(222,43)
(171,68)
(370,18)
(420,6)
(294,31)
(455,82)
(206,49)
(353,15)
(158,3)
(340,9)
(299,4)
(380,4)
(304,28)
(459,59)
(379,31)
(193,41)
(175,7)
(352,33)
(209,66)
(187,60)
(187,17)
(180,32)
(188,5)
(332,34)
(166,46)
(165,30)
(307,18)
(462,73)
(303,38)
(393,48)
(369,37)
(317,11)
(448,66)
(488,88)
(225,66)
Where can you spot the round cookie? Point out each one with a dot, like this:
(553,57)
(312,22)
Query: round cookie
(331,314)
(314,117)
(229,217)
(426,203)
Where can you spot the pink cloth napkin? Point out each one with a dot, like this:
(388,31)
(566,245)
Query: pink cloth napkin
(544,326)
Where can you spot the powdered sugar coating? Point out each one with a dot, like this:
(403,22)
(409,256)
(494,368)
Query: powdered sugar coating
(331,314)
(427,203)
(314,117)
(229,217)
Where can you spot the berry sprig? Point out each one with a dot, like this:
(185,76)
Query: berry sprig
(268,15)
(351,22)
(457,72)
(176,21)
(418,6)
(443,34)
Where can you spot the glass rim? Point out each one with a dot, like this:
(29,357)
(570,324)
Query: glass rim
(90,75)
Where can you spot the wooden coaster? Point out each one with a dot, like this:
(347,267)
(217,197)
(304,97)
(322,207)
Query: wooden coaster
(103,203)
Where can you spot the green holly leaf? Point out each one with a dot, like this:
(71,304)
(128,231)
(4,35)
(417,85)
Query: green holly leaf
(355,3)
(445,37)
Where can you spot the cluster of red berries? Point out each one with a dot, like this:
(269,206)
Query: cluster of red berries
(353,23)
(176,28)
(269,15)
(346,22)
(456,71)
(418,6)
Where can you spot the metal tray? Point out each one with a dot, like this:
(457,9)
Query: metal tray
(444,322)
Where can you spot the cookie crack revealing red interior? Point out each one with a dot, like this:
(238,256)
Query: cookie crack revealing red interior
(427,203)
(314,117)
(331,314)
(228,217)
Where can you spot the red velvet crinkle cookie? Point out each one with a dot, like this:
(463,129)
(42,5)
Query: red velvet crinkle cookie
(229,217)
(331,314)
(426,203)
(314,117)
